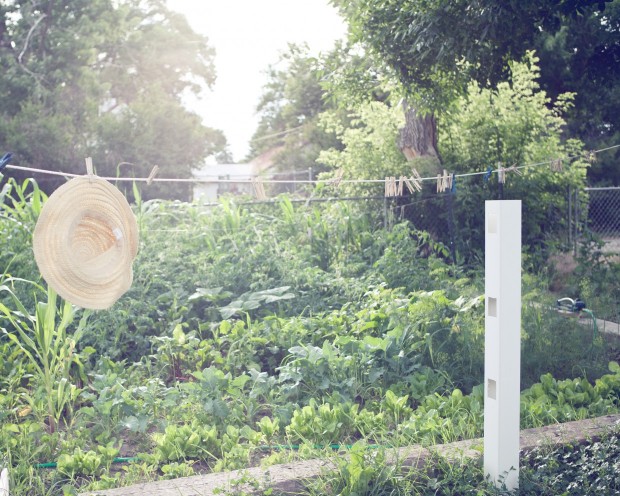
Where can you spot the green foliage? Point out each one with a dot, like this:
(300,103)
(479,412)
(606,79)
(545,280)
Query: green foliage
(577,349)
(323,424)
(289,107)
(573,470)
(49,351)
(432,44)
(595,279)
(362,472)
(369,145)
(20,205)
(175,470)
(86,463)
(103,79)
(551,400)
(513,124)
(184,442)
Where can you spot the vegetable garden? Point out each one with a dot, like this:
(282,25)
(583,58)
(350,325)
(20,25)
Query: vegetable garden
(259,333)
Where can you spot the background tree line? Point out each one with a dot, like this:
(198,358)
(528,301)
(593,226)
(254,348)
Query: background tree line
(105,79)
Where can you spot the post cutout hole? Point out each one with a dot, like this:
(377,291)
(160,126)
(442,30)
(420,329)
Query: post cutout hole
(492,307)
(492,224)
(492,389)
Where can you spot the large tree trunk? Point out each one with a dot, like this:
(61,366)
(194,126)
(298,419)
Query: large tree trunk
(418,139)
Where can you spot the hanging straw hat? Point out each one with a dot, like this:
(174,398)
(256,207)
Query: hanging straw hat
(85,241)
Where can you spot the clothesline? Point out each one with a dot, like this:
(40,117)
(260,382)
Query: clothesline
(216,179)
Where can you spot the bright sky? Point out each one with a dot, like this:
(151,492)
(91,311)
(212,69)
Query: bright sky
(248,35)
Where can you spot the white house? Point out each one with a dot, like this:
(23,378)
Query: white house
(210,191)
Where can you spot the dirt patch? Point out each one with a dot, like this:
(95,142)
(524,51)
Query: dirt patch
(562,267)
(612,245)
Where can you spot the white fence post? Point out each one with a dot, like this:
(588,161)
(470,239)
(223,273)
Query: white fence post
(4,482)
(502,343)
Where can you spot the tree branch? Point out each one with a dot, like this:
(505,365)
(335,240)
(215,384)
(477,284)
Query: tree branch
(34,26)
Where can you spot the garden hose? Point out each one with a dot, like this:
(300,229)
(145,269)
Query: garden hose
(575,307)
(276,447)
(594,325)
(116,460)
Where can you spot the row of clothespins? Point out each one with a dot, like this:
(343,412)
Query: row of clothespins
(447,181)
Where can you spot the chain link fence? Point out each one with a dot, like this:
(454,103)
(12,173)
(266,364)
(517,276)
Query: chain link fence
(594,214)
(604,215)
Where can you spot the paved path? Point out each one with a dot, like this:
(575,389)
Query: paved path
(289,477)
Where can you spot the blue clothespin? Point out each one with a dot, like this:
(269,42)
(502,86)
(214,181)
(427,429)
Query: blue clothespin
(487,174)
(6,158)
(453,188)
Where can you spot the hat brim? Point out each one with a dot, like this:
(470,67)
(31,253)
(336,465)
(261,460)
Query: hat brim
(85,241)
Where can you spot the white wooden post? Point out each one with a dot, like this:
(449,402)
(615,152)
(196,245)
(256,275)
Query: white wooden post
(4,482)
(502,342)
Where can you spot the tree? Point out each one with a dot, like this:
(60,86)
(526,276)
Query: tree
(515,123)
(435,47)
(584,57)
(289,107)
(102,78)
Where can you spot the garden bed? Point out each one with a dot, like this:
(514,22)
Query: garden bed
(290,478)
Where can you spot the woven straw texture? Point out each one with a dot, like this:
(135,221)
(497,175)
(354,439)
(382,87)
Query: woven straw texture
(85,241)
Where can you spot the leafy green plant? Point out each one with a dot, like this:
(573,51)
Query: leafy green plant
(86,462)
(364,472)
(185,442)
(323,423)
(253,300)
(44,341)
(551,400)
(175,470)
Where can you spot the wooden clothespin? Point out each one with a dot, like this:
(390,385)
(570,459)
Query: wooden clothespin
(501,173)
(152,175)
(89,168)
(416,180)
(391,189)
(410,184)
(259,189)
(401,185)
(447,181)
(393,186)
(413,182)
(444,182)
(337,177)
(514,168)
(591,156)
(556,165)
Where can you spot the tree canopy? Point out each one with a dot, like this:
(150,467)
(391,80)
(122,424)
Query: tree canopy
(103,78)
(289,107)
(434,48)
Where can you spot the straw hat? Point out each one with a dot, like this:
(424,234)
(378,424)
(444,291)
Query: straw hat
(85,241)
